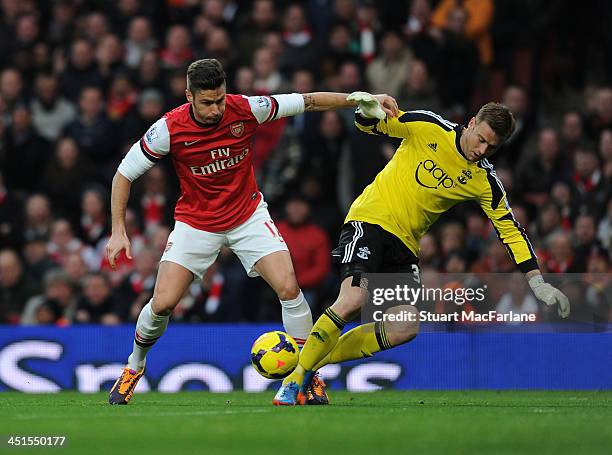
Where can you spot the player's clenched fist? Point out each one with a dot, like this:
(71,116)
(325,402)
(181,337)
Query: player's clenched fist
(116,243)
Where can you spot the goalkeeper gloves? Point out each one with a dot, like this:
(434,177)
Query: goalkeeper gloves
(368,106)
(550,295)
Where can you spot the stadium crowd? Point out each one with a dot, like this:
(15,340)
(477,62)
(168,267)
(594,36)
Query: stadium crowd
(81,81)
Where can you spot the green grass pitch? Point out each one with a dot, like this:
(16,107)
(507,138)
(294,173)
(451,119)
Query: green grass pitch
(410,422)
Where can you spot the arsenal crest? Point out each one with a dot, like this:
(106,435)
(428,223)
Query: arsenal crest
(237,129)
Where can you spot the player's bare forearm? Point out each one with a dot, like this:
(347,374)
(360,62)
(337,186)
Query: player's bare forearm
(119,198)
(324,101)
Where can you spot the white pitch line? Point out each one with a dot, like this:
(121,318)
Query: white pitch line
(159,414)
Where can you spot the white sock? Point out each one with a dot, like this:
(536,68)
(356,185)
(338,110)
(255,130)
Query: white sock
(149,328)
(297,318)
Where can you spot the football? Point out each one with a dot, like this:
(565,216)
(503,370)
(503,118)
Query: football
(274,355)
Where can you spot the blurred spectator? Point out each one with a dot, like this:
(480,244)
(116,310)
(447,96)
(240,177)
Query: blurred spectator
(458,65)
(95,224)
(601,117)
(368,27)
(478,18)
(538,173)
(456,262)
(175,93)
(423,37)
(150,108)
(139,41)
(496,260)
(50,111)
(75,267)
(559,256)
(94,132)
(477,235)
(219,12)
(177,53)
(11,88)
(342,48)
(63,242)
(155,208)
(348,79)
(268,79)
(589,189)
(244,82)
(80,71)
(219,45)
(429,252)
(273,40)
(64,178)
(388,72)
(122,97)
(109,55)
(598,292)
(28,152)
(149,73)
(262,19)
(57,305)
(561,195)
(344,11)
(27,34)
(516,99)
(309,247)
(452,238)
(36,259)
(95,27)
(418,92)
(301,48)
(15,287)
(125,10)
(548,225)
(572,135)
(38,217)
(61,24)
(585,241)
(98,304)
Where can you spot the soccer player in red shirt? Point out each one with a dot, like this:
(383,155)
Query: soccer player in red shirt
(209,141)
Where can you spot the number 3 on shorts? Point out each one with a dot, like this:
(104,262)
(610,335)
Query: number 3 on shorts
(416,274)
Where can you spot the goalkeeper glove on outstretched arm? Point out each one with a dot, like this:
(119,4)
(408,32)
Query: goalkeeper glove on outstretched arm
(550,295)
(368,105)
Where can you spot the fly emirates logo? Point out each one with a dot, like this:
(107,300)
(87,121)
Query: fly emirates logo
(220,160)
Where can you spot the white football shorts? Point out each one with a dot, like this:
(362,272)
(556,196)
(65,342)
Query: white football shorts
(196,250)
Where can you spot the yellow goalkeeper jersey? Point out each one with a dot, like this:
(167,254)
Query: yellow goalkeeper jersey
(426,177)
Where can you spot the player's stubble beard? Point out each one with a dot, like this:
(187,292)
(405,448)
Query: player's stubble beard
(210,121)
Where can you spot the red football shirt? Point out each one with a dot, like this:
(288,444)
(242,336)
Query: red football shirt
(214,163)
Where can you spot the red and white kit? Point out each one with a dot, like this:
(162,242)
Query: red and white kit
(220,204)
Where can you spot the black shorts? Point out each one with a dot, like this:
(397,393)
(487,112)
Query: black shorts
(368,248)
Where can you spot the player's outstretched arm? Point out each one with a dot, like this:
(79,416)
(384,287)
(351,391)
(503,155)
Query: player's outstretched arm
(119,198)
(324,101)
(547,293)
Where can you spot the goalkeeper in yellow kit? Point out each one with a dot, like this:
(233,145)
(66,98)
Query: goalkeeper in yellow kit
(437,165)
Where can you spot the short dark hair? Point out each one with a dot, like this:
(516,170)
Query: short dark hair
(205,74)
(499,118)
